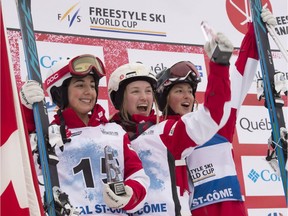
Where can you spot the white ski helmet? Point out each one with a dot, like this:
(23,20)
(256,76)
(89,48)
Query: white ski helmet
(126,74)
(58,77)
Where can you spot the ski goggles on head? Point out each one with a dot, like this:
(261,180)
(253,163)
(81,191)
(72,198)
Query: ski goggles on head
(184,71)
(78,66)
(83,65)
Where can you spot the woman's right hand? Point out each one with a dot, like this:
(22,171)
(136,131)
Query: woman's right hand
(31,92)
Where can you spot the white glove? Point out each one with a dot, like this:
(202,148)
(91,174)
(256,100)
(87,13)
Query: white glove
(35,154)
(55,137)
(284,133)
(30,93)
(222,41)
(284,136)
(62,202)
(268,17)
(280,82)
(33,141)
(274,165)
(260,89)
(114,201)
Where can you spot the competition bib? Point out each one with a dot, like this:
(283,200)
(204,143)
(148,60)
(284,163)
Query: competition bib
(213,172)
(82,168)
(153,154)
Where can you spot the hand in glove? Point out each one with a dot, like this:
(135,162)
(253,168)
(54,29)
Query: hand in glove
(62,203)
(33,141)
(280,82)
(222,41)
(260,89)
(268,17)
(114,201)
(55,137)
(30,93)
(284,133)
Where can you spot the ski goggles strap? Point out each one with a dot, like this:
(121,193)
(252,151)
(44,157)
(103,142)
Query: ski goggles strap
(184,71)
(78,66)
(82,65)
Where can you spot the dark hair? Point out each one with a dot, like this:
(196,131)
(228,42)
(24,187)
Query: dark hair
(60,94)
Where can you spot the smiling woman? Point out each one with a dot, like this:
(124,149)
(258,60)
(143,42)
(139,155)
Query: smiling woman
(138,98)
(163,144)
(181,98)
(176,88)
(82,96)
(72,84)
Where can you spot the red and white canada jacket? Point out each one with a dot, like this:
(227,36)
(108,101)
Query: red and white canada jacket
(80,165)
(211,166)
(164,145)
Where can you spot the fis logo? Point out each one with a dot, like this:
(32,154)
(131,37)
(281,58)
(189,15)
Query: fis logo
(71,15)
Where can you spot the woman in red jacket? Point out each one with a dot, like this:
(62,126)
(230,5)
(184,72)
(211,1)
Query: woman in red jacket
(164,145)
(214,184)
(83,168)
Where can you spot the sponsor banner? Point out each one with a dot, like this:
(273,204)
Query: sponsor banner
(259,177)
(253,124)
(268,212)
(162,20)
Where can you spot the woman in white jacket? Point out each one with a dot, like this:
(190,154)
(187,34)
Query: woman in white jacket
(163,147)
